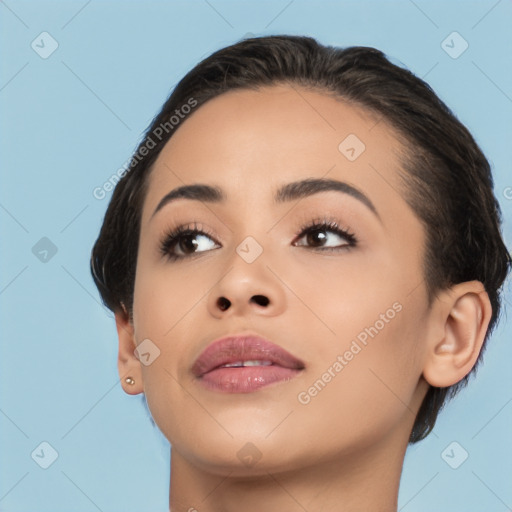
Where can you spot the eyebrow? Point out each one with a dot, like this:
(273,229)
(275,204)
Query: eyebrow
(287,192)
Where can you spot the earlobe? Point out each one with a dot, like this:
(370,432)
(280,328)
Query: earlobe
(128,365)
(465,312)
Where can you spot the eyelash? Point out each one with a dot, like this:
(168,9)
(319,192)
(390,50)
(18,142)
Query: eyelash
(173,236)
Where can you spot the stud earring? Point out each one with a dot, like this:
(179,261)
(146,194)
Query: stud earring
(129,380)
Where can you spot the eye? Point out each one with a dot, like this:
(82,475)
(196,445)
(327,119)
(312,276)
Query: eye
(185,241)
(316,234)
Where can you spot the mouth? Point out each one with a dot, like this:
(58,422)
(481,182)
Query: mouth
(244,364)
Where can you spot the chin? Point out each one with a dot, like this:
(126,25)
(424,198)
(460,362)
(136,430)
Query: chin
(244,460)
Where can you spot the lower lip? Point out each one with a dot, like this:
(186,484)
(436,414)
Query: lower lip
(246,379)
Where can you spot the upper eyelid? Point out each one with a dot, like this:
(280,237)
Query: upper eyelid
(180,228)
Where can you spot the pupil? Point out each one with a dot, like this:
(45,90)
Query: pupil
(192,244)
(317,233)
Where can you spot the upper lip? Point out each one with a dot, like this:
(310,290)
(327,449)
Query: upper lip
(243,347)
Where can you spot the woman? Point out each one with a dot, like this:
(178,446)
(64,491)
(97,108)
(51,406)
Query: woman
(304,260)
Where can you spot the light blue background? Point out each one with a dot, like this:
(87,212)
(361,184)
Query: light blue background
(71,120)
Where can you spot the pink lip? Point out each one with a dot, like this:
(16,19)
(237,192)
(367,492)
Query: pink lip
(244,347)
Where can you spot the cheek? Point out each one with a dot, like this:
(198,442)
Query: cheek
(163,306)
(363,390)
(359,297)
(162,298)
(368,365)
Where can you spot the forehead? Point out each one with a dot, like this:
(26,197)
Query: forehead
(251,141)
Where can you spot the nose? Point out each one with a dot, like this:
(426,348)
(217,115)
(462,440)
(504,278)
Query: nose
(247,289)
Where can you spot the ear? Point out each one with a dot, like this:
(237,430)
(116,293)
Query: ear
(462,315)
(127,363)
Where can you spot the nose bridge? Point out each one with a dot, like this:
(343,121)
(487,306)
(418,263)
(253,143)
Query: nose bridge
(255,246)
(251,231)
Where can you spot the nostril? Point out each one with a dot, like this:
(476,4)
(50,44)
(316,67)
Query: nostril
(260,299)
(223,303)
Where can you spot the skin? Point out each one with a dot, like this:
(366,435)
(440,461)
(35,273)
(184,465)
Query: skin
(344,449)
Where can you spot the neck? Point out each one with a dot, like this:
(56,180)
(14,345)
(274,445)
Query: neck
(366,479)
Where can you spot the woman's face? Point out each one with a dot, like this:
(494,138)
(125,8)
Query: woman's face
(352,308)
